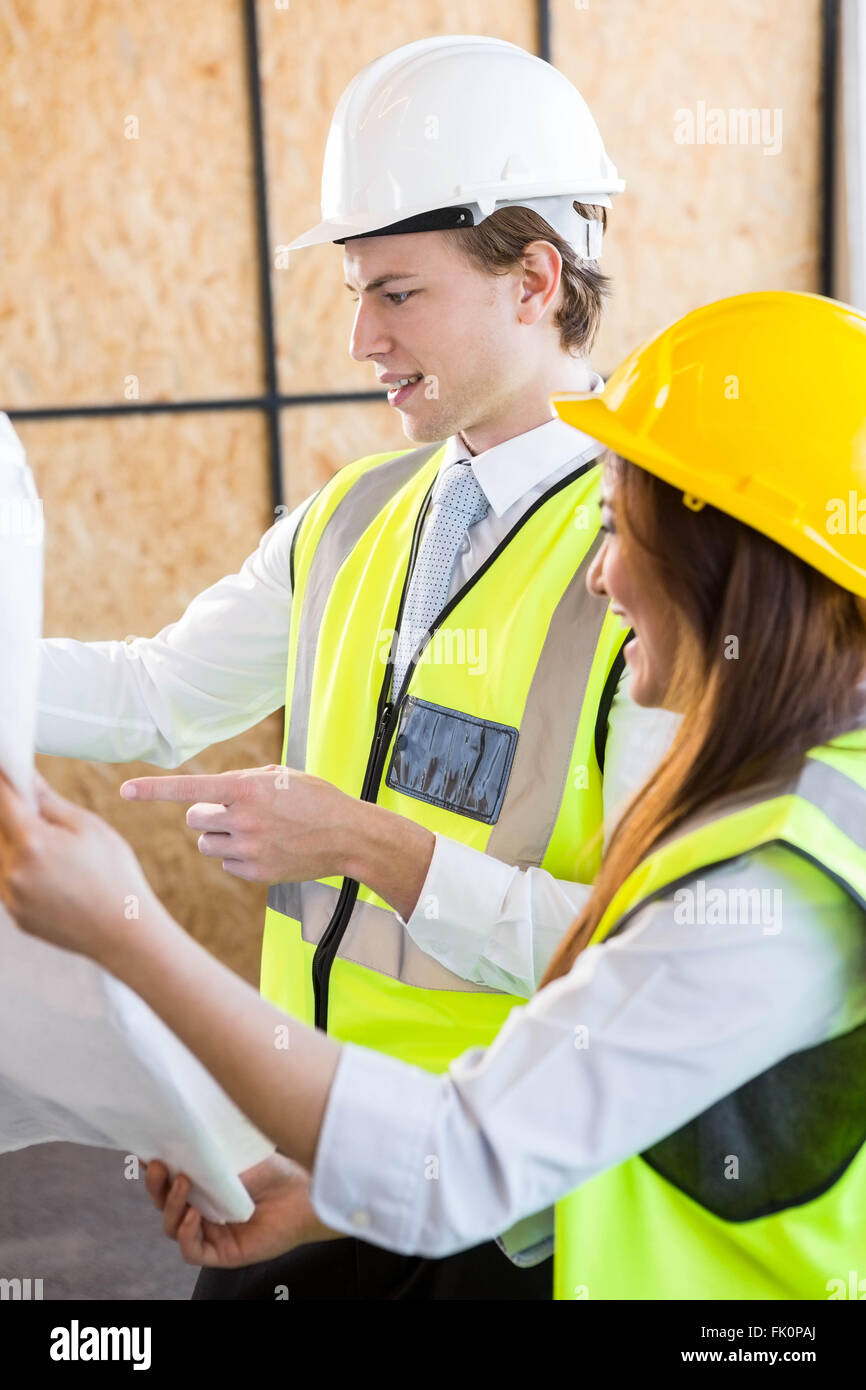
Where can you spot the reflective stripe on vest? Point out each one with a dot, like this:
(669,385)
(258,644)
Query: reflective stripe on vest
(762,1195)
(492,742)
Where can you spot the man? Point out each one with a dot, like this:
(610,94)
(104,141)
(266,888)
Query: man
(452,714)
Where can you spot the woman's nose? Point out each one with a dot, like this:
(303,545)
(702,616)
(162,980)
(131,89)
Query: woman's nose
(595,574)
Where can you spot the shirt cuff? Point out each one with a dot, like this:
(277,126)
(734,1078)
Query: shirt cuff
(459,905)
(374,1149)
(527,1259)
(529,1241)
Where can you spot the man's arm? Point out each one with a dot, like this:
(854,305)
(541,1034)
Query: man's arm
(215,672)
(487,921)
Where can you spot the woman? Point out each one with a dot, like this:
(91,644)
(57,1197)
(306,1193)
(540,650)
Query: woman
(687,1084)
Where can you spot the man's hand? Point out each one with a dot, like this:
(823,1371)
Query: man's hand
(277,825)
(283,1218)
(268,824)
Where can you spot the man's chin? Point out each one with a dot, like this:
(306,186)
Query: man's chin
(423,431)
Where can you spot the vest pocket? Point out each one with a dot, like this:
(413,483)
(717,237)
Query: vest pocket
(453,760)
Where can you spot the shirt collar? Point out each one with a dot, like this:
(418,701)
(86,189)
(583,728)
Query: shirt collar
(517,465)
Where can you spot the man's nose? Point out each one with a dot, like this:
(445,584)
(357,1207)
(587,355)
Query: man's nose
(367,335)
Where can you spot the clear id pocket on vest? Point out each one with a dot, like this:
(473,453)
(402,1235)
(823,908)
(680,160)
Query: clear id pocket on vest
(451,759)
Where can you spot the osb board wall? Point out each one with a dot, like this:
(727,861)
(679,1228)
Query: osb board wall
(318,439)
(699,221)
(125,257)
(141,514)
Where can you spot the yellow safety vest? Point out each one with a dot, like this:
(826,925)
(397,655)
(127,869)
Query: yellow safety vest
(763,1195)
(496,739)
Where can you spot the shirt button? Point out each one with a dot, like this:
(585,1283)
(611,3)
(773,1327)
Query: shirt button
(360,1218)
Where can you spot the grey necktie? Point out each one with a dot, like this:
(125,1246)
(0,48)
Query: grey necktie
(460,502)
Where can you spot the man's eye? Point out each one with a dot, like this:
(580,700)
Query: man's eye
(401,295)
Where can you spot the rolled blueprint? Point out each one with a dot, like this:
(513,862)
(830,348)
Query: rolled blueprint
(83,1058)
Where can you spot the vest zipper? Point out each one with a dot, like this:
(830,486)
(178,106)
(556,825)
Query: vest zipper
(388,714)
(329,941)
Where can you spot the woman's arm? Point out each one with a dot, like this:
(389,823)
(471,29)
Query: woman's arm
(67,876)
(643,1033)
(275,1068)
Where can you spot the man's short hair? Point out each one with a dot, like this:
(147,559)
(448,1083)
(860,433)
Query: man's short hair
(497,245)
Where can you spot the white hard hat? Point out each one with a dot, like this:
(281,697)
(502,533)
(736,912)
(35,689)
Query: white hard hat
(443,131)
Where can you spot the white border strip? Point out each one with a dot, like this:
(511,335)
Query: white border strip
(850,277)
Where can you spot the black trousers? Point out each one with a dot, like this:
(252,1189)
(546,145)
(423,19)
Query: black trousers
(350,1268)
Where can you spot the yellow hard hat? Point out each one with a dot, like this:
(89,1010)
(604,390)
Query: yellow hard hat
(757,405)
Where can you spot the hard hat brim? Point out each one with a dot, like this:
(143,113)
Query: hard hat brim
(330,229)
(322,233)
(772,514)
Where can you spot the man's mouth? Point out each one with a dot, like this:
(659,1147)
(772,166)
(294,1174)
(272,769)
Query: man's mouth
(399,390)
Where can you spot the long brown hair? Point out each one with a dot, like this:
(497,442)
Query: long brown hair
(768,658)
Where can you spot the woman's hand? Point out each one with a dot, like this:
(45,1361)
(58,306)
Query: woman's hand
(65,874)
(283,1218)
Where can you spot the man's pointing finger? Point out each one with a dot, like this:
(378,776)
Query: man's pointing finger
(219,788)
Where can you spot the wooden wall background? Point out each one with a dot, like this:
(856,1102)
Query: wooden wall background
(137,258)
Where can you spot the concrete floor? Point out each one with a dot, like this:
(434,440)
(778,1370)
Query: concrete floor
(66,1219)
